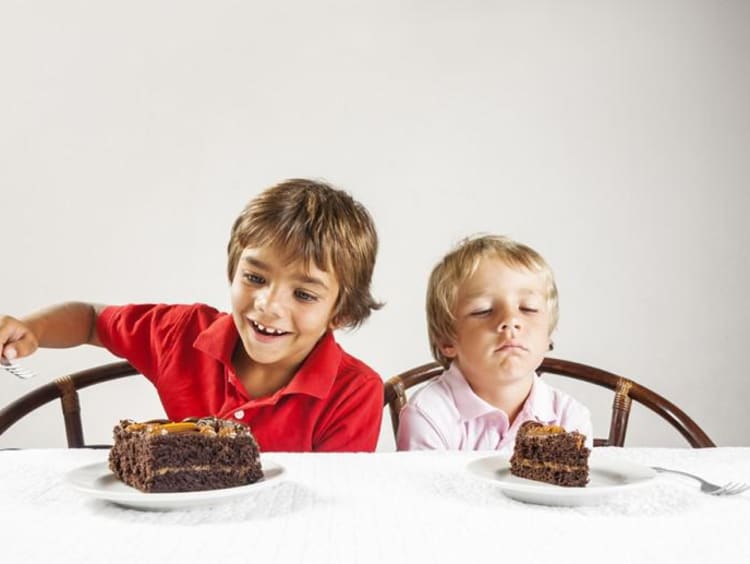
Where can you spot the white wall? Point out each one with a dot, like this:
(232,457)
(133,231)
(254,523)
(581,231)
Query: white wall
(611,136)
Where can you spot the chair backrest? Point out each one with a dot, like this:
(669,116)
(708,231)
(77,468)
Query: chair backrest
(625,392)
(66,389)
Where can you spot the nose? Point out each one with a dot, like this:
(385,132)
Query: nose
(267,302)
(509,324)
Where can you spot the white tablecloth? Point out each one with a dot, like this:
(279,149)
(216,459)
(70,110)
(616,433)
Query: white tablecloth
(383,507)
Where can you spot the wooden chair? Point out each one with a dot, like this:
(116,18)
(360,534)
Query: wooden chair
(625,392)
(66,389)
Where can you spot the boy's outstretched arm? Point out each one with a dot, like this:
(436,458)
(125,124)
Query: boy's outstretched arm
(65,325)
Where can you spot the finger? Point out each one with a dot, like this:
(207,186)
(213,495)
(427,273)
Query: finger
(6,330)
(20,348)
(11,330)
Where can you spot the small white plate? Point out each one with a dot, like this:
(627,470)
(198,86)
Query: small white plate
(98,481)
(606,478)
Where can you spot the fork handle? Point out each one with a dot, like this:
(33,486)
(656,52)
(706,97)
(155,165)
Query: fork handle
(681,473)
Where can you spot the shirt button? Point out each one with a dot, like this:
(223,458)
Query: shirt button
(239,414)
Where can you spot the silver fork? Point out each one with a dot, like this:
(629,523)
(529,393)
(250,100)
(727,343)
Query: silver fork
(16,369)
(731,488)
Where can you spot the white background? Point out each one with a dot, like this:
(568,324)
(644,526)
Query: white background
(612,136)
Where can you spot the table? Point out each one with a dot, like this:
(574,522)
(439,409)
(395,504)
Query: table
(381,507)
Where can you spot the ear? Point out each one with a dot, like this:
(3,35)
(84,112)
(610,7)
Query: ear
(448,350)
(336,322)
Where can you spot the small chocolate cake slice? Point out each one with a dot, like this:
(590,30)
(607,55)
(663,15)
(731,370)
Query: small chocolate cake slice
(547,453)
(185,456)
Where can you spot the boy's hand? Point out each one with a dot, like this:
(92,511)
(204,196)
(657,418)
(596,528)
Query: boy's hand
(16,339)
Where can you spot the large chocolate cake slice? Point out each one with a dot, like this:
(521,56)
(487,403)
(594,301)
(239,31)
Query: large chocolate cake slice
(190,455)
(547,453)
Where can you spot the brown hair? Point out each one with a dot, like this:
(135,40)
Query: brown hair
(459,264)
(319,225)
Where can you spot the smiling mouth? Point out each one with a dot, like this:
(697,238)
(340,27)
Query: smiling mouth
(270,331)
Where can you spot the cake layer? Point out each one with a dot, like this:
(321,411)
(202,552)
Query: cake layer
(188,480)
(551,475)
(564,450)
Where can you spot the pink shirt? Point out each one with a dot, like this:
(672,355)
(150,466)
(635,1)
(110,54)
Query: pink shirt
(447,414)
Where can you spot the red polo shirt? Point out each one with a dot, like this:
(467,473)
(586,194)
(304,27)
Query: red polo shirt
(333,403)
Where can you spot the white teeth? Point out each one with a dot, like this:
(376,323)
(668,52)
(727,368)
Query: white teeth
(268,330)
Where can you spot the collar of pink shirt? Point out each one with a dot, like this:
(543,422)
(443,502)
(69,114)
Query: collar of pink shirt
(538,405)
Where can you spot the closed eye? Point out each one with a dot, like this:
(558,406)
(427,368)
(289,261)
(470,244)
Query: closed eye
(529,310)
(480,312)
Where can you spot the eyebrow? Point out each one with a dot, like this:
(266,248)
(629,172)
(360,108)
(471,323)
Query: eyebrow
(524,292)
(301,278)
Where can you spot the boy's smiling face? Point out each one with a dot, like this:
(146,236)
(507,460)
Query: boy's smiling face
(280,309)
(502,325)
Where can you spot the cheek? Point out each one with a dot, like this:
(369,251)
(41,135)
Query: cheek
(314,319)
(541,323)
(469,339)
(542,335)
(233,291)
(473,332)
(239,294)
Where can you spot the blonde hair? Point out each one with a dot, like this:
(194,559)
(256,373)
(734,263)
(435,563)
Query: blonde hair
(313,222)
(459,264)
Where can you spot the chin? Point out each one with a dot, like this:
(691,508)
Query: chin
(515,373)
(264,358)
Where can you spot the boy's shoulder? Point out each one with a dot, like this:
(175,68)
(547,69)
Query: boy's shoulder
(198,310)
(168,317)
(353,367)
(435,397)
(162,310)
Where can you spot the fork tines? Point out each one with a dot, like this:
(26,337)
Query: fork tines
(16,369)
(732,488)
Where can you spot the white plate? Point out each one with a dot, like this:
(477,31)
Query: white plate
(606,478)
(98,481)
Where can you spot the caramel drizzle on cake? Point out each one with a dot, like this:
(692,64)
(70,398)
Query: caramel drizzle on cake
(209,426)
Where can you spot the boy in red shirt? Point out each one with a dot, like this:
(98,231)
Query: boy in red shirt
(301,257)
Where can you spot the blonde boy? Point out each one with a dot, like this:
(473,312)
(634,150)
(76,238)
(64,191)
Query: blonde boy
(491,309)
(301,257)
